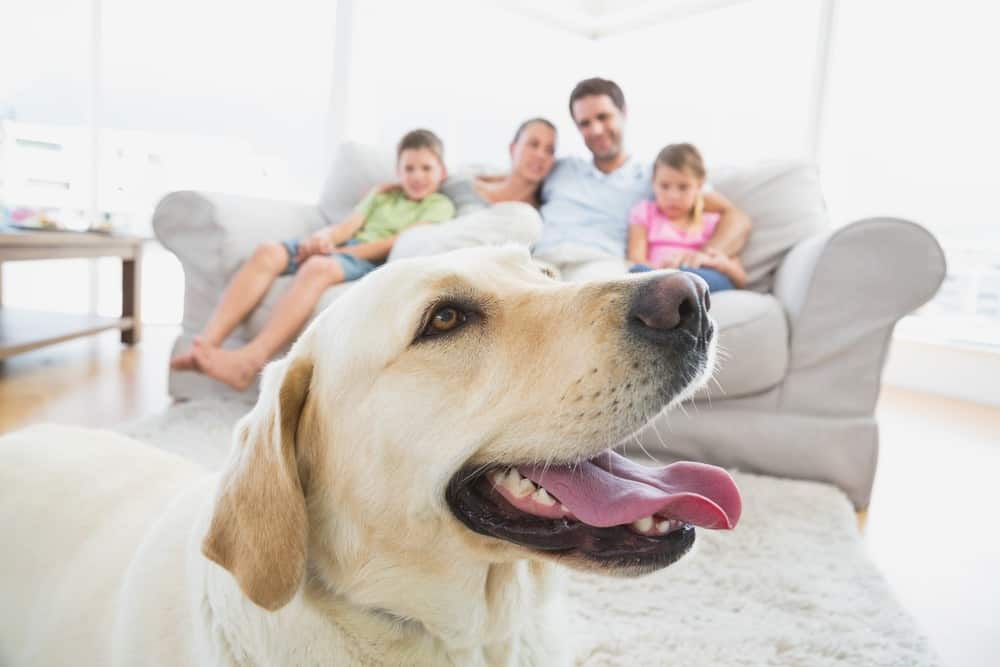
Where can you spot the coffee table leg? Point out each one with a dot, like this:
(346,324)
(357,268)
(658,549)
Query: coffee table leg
(131,291)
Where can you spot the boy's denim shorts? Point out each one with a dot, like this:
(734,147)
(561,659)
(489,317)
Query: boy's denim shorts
(353,267)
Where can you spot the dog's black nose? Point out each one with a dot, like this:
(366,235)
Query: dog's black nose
(668,304)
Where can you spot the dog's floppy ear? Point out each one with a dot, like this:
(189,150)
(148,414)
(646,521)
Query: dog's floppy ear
(259,528)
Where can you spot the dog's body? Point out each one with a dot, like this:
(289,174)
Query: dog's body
(136,589)
(343,536)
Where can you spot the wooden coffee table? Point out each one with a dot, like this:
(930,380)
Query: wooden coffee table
(21,330)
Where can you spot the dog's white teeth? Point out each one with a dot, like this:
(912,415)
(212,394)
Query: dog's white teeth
(564,508)
(513,476)
(498,477)
(644,524)
(542,497)
(667,525)
(519,487)
(525,488)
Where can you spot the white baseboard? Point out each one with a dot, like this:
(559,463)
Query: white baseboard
(965,373)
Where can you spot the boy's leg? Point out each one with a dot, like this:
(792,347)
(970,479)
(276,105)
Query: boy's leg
(238,368)
(246,289)
(717,281)
(241,295)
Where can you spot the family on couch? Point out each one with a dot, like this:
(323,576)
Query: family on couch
(600,218)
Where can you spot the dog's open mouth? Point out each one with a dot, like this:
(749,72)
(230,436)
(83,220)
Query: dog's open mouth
(607,509)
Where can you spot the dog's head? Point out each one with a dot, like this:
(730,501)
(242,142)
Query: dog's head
(461,408)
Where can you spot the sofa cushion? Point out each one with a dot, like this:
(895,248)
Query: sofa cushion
(785,202)
(753,344)
(355,170)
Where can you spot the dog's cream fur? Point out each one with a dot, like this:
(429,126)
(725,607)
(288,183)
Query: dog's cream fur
(327,539)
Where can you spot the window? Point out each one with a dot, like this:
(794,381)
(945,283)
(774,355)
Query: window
(911,132)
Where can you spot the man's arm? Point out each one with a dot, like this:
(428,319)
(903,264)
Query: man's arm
(734,226)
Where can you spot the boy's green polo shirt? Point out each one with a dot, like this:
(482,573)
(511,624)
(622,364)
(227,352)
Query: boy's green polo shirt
(390,213)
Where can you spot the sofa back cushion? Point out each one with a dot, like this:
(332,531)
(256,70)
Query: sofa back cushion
(782,197)
(356,169)
(785,203)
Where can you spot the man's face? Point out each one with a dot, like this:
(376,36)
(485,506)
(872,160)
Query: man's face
(420,172)
(601,123)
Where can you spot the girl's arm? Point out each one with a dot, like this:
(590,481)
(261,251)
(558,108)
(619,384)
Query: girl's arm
(731,267)
(733,230)
(638,247)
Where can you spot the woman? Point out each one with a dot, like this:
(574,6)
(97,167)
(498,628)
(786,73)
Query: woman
(491,209)
(532,155)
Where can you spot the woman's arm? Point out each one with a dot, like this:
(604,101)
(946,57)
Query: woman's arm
(734,226)
(638,247)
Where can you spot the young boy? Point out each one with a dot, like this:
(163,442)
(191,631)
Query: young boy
(332,255)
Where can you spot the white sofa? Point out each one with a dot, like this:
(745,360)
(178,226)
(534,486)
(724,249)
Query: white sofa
(804,344)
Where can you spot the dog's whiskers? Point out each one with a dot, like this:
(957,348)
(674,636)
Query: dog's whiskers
(660,438)
(476,472)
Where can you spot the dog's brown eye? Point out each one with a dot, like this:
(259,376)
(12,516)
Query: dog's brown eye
(444,320)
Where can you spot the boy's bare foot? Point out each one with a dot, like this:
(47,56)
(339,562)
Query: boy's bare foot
(237,368)
(184,361)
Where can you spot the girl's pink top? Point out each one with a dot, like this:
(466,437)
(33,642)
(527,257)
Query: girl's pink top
(663,236)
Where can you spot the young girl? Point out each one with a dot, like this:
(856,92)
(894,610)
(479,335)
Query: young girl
(670,231)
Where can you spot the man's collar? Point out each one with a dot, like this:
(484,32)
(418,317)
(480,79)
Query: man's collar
(629,160)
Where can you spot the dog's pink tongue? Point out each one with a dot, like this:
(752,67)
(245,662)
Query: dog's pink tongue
(611,490)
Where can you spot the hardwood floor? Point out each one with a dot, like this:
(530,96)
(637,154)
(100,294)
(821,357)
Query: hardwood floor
(930,527)
(932,522)
(93,381)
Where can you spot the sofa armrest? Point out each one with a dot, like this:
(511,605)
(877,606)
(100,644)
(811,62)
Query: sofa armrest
(843,292)
(212,234)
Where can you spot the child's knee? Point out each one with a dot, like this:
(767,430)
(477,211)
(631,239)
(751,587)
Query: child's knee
(321,269)
(271,255)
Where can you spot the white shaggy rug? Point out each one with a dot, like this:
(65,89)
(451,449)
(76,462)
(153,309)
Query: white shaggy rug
(792,585)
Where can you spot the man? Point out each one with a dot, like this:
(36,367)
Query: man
(585,204)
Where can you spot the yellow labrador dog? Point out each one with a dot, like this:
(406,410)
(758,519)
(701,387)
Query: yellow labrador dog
(431,450)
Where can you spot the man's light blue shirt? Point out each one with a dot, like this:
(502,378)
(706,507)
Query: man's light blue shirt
(581,205)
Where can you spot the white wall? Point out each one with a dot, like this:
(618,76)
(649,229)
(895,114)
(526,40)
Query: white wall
(733,81)
(470,72)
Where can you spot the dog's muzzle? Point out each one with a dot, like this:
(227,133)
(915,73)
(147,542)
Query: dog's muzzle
(671,307)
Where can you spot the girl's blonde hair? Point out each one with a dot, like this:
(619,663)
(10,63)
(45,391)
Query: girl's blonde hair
(685,158)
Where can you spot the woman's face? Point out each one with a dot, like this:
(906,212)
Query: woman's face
(675,191)
(534,152)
